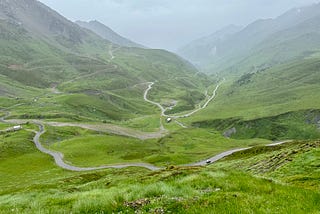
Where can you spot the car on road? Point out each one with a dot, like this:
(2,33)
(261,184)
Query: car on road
(208,161)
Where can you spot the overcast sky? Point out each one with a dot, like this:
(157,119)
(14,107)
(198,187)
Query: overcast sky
(169,24)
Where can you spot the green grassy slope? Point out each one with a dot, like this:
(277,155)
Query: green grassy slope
(175,78)
(274,103)
(295,163)
(270,92)
(84,80)
(62,70)
(21,162)
(297,42)
(180,147)
(290,175)
(292,125)
(70,75)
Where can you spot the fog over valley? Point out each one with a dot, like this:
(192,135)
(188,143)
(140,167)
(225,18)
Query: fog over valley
(171,24)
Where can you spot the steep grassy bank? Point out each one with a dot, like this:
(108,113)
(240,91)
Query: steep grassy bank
(295,163)
(291,125)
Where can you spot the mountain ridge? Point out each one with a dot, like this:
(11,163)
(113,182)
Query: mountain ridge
(43,51)
(39,19)
(107,33)
(239,46)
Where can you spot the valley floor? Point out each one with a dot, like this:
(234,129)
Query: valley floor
(187,165)
(89,126)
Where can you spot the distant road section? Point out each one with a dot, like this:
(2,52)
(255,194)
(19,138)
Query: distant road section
(145,97)
(107,128)
(214,94)
(163,110)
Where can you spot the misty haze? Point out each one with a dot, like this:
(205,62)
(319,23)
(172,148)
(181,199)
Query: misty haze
(118,106)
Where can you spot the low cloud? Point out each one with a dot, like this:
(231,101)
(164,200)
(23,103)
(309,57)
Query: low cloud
(170,24)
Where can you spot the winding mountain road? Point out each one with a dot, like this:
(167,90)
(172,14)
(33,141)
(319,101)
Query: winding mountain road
(145,97)
(58,157)
(163,110)
(214,94)
(2,119)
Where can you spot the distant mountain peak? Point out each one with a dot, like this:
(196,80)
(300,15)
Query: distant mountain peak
(291,35)
(107,33)
(40,20)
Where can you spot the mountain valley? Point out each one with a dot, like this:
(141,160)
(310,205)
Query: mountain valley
(91,122)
